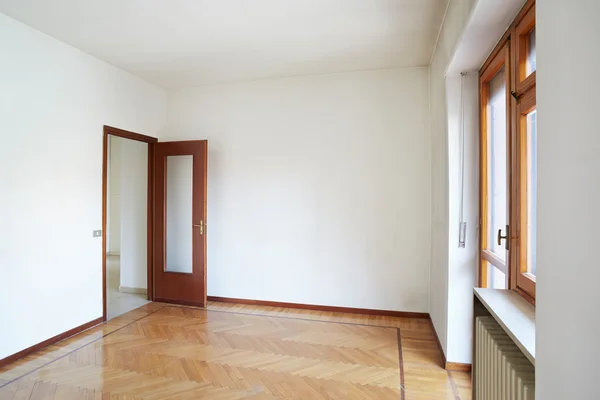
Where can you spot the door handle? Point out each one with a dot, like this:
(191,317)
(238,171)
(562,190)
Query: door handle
(500,237)
(201,226)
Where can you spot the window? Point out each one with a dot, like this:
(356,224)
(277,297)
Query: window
(526,203)
(508,169)
(531,180)
(530,65)
(494,171)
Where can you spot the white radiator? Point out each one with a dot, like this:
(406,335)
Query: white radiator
(501,370)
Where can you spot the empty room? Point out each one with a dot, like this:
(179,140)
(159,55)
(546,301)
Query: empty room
(299,199)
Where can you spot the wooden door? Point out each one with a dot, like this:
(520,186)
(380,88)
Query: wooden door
(180,222)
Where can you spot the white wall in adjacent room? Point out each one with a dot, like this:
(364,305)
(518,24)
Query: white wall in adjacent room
(134,214)
(54,101)
(568,269)
(113,221)
(318,187)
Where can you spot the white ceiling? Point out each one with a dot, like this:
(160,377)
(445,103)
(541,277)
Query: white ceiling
(180,43)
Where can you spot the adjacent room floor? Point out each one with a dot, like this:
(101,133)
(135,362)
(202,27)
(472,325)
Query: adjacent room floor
(118,303)
(161,351)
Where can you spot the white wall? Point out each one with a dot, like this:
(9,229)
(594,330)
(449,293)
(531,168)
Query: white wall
(454,23)
(318,183)
(54,101)
(462,262)
(469,33)
(134,214)
(568,299)
(113,222)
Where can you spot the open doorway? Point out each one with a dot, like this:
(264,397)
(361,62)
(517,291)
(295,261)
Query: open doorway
(126,225)
(127,207)
(172,242)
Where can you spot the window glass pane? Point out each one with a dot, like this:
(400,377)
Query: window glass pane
(496,152)
(531,55)
(179,214)
(496,278)
(531,191)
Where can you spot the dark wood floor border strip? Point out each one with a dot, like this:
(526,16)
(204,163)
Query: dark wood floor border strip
(283,317)
(78,348)
(314,307)
(399,336)
(455,391)
(179,303)
(401,367)
(48,342)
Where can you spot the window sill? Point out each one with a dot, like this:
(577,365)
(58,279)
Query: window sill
(514,314)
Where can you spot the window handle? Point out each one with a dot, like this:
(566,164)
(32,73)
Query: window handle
(500,237)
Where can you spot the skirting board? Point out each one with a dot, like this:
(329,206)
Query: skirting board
(439,344)
(450,366)
(460,367)
(133,290)
(113,253)
(314,307)
(51,341)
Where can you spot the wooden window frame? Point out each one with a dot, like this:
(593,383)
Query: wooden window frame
(521,33)
(522,280)
(499,59)
(512,51)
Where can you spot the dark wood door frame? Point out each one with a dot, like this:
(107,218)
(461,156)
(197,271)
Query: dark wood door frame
(109,130)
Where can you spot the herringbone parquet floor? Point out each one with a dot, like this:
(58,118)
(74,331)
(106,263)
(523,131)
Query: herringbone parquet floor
(239,352)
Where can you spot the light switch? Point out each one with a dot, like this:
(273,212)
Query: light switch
(97,233)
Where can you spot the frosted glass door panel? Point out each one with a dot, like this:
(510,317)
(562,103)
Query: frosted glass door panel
(179,214)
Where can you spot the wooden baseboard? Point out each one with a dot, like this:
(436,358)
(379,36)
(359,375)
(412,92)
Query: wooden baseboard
(452,366)
(52,340)
(449,366)
(132,290)
(313,307)
(439,344)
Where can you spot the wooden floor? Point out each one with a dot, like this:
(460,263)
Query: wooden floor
(161,351)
